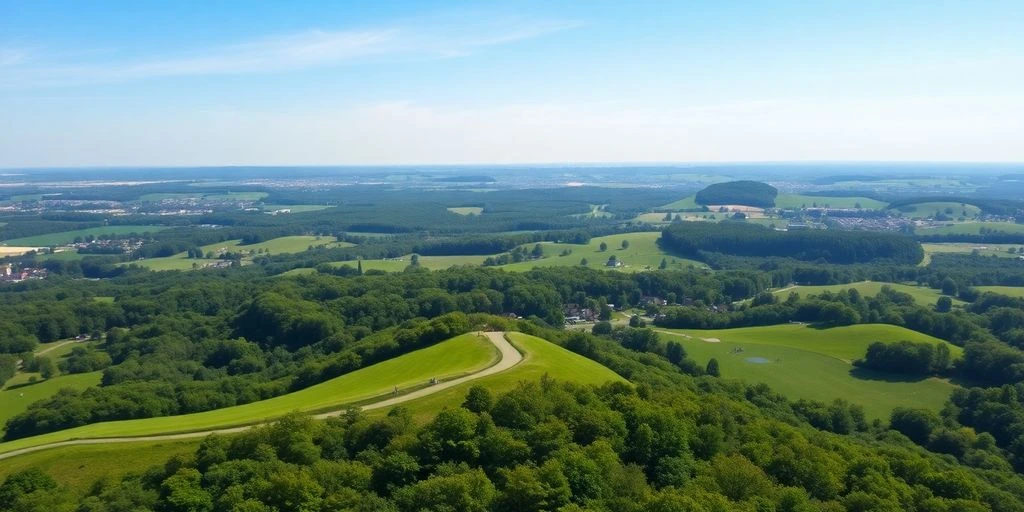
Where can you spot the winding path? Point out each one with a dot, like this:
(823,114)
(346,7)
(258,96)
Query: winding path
(509,358)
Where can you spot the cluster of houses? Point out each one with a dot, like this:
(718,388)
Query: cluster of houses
(10,275)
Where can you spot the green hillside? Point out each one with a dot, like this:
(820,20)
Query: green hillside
(922,295)
(804,362)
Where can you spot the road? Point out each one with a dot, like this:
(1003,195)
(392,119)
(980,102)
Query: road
(509,358)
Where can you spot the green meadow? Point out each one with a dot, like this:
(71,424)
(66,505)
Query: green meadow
(787,201)
(19,393)
(466,210)
(449,359)
(1012,291)
(922,295)
(805,362)
(281,245)
(929,209)
(643,253)
(972,228)
(67,237)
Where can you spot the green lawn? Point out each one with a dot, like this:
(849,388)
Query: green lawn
(999,250)
(972,228)
(67,237)
(801,200)
(455,357)
(541,357)
(1012,291)
(804,362)
(428,262)
(79,467)
(643,254)
(467,210)
(922,295)
(929,209)
(15,401)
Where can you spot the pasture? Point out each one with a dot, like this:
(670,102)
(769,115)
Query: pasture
(686,203)
(67,237)
(428,262)
(281,245)
(805,362)
(294,208)
(458,356)
(922,295)
(1000,250)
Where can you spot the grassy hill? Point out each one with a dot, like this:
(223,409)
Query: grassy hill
(458,356)
(18,395)
(922,295)
(541,357)
(928,209)
(804,362)
(972,228)
(643,254)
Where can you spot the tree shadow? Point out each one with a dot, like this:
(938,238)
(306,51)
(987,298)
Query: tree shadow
(867,374)
(24,385)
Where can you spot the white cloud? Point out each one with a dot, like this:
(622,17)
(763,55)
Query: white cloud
(303,50)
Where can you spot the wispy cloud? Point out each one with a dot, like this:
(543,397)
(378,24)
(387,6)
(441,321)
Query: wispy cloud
(276,54)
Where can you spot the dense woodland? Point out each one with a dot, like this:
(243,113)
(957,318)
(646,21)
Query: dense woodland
(748,193)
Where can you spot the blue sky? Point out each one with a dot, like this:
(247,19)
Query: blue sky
(277,83)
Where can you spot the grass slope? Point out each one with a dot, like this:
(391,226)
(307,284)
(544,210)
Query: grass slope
(929,209)
(805,362)
(922,295)
(15,401)
(458,356)
(972,228)
(67,237)
(281,245)
(466,210)
(540,357)
(1012,291)
(78,467)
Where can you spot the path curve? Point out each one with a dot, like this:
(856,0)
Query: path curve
(509,358)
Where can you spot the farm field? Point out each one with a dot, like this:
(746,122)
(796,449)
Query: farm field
(931,208)
(15,401)
(541,357)
(67,237)
(1011,291)
(281,245)
(79,467)
(686,203)
(230,196)
(804,362)
(461,355)
(801,200)
(14,251)
(922,295)
(999,250)
(972,228)
(466,210)
(429,262)
(643,254)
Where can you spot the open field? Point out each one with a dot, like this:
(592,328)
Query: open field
(541,357)
(952,209)
(922,295)
(597,211)
(1012,291)
(429,262)
(808,201)
(15,401)
(281,245)
(972,228)
(67,237)
(804,362)
(14,251)
(78,467)
(643,254)
(230,196)
(466,210)
(999,250)
(452,358)
(686,203)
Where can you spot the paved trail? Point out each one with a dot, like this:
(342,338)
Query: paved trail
(509,358)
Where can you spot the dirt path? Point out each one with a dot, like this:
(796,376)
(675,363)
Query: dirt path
(55,347)
(509,358)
